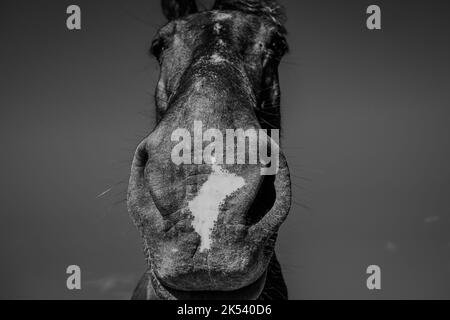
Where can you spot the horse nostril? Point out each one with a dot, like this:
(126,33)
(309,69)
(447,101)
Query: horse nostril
(142,156)
(263,202)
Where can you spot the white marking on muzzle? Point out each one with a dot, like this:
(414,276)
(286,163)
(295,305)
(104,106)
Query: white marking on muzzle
(205,206)
(217,58)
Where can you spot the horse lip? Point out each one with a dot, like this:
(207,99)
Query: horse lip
(247,292)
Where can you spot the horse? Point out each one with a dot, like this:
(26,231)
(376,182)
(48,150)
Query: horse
(209,228)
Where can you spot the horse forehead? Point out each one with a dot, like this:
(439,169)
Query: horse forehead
(222,18)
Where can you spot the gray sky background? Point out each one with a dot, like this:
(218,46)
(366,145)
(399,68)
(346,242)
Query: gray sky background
(366,131)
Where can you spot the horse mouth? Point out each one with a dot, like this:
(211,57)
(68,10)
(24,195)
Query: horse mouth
(248,292)
(241,241)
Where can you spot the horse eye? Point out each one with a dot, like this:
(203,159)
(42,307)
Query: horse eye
(278,46)
(157,47)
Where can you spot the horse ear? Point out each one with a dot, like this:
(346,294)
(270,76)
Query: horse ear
(269,8)
(174,9)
